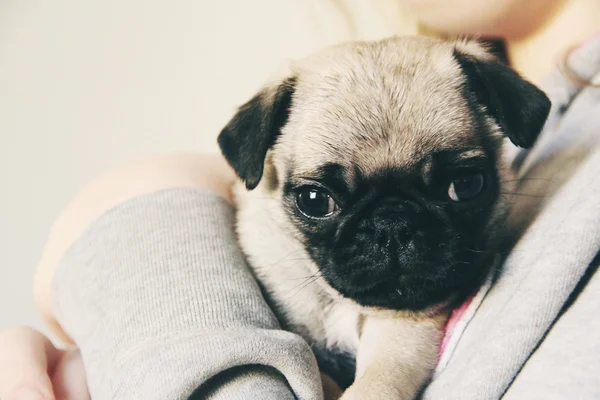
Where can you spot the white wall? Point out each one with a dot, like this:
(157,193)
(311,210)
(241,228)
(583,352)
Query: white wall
(88,84)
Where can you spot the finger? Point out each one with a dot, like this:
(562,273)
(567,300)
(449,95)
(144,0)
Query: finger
(69,379)
(26,356)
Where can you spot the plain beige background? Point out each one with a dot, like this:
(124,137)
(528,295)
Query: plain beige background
(87,85)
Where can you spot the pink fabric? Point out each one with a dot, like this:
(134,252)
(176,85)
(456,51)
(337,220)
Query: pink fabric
(459,320)
(452,321)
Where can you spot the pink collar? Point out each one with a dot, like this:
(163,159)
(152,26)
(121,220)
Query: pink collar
(458,321)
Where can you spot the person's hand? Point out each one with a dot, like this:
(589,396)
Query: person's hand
(32,368)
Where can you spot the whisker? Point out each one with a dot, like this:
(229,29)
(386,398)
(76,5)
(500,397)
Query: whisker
(523,194)
(526,179)
(306,284)
(284,258)
(473,250)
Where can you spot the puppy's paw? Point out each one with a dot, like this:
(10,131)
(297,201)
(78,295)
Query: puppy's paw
(364,389)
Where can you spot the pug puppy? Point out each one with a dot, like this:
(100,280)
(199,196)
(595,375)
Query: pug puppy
(373,193)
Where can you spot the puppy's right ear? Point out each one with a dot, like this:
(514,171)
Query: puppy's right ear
(246,139)
(518,106)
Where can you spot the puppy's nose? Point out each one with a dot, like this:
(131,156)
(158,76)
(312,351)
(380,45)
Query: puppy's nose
(391,223)
(391,231)
(389,228)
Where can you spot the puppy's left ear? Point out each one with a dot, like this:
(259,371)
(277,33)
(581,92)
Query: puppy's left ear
(253,130)
(519,107)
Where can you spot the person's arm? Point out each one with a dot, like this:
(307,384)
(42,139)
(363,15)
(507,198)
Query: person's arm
(142,271)
(116,187)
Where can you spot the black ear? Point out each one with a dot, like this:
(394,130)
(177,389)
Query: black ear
(519,107)
(253,130)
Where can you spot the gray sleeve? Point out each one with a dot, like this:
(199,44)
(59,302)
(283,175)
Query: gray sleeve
(160,300)
(567,363)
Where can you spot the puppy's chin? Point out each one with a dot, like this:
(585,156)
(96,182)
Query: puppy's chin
(408,292)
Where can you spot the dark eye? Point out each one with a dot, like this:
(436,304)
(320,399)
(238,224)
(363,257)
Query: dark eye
(315,202)
(466,187)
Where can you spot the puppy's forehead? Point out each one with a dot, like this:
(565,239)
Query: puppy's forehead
(379,105)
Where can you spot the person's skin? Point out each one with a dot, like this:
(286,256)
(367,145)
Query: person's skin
(537,34)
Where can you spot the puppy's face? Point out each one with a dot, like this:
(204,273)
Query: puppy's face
(384,158)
